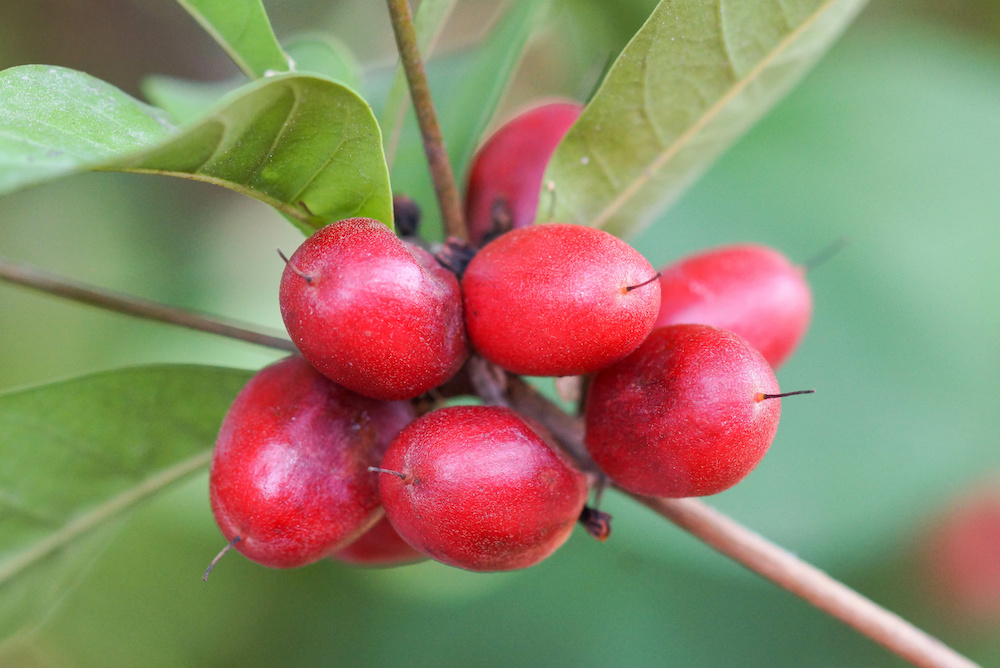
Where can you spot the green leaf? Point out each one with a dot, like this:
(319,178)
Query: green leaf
(467,90)
(79,453)
(242,28)
(326,55)
(691,81)
(54,121)
(306,145)
(187,100)
(428,22)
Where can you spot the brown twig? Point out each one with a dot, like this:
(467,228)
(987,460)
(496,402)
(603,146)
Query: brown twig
(753,551)
(806,581)
(37,279)
(437,156)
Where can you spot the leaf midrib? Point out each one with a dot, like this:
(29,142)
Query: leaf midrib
(98,515)
(612,208)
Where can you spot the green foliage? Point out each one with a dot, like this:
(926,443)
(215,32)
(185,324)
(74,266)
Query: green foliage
(54,121)
(80,453)
(242,28)
(187,100)
(690,82)
(306,145)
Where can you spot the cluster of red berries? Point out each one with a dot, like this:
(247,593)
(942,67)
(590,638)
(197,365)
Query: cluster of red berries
(324,455)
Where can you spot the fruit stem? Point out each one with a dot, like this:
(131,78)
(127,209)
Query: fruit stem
(761,396)
(445,186)
(221,553)
(32,277)
(402,476)
(596,522)
(825,254)
(306,277)
(630,288)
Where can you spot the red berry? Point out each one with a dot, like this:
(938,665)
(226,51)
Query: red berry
(481,491)
(372,313)
(379,546)
(751,290)
(290,469)
(686,414)
(506,174)
(558,300)
(960,559)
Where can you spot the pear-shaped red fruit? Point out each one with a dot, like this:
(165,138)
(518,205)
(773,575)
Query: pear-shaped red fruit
(379,316)
(751,290)
(689,413)
(506,174)
(379,547)
(476,488)
(558,300)
(289,473)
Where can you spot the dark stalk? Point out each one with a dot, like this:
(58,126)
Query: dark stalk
(420,92)
(32,277)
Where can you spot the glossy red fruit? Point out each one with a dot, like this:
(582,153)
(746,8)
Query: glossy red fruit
(290,472)
(685,414)
(506,174)
(558,300)
(380,546)
(372,313)
(482,491)
(748,289)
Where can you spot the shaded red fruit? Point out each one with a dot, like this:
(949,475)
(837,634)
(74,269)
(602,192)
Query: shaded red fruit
(960,559)
(379,546)
(482,491)
(751,290)
(290,472)
(372,313)
(558,300)
(506,175)
(684,415)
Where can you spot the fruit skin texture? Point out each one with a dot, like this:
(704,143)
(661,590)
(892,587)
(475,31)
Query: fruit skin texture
(508,168)
(552,300)
(380,317)
(748,289)
(290,469)
(380,546)
(483,491)
(680,416)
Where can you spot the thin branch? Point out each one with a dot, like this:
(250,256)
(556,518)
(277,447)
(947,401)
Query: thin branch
(806,581)
(751,550)
(437,157)
(37,279)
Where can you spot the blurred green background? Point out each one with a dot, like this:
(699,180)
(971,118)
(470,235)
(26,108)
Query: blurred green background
(893,142)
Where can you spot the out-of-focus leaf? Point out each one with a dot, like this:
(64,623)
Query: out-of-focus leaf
(467,90)
(187,100)
(892,144)
(691,81)
(326,55)
(306,145)
(242,28)
(430,18)
(79,453)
